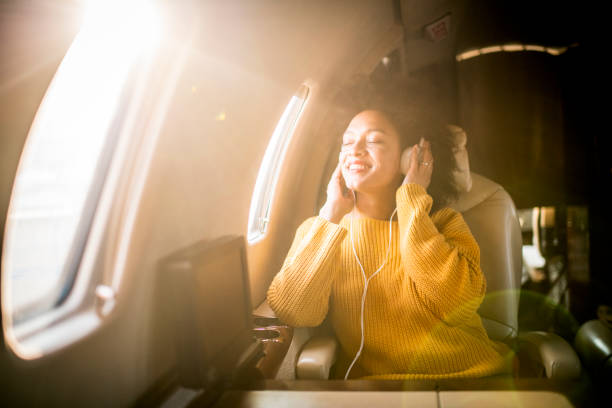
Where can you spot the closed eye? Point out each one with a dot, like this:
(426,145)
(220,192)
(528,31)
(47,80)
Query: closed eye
(376,136)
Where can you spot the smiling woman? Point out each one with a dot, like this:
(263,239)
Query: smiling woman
(422,271)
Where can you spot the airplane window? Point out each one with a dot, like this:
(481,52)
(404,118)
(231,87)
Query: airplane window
(65,160)
(259,215)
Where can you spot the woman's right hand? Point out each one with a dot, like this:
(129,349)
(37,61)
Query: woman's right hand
(339,198)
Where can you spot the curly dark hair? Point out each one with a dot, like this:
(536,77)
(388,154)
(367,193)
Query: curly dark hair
(411,123)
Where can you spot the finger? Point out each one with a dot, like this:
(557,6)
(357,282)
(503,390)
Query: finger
(333,180)
(427,170)
(341,182)
(422,142)
(338,171)
(427,155)
(340,178)
(414,161)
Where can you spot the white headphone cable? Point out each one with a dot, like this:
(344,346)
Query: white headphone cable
(367,281)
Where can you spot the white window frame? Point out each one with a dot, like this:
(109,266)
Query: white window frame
(269,171)
(92,298)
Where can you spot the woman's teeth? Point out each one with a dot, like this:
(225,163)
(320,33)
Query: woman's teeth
(357,167)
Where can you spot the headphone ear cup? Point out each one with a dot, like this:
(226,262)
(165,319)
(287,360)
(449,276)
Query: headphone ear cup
(405,161)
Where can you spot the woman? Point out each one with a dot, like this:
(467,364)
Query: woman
(402,293)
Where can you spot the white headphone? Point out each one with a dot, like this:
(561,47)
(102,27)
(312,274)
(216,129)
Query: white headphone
(366,280)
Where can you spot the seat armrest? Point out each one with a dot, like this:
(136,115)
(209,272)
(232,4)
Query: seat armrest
(264,310)
(317,357)
(558,358)
(594,342)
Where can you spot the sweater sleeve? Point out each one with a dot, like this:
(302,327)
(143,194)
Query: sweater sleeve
(299,293)
(443,262)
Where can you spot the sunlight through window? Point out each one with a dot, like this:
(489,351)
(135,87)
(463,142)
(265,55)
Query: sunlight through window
(259,215)
(66,156)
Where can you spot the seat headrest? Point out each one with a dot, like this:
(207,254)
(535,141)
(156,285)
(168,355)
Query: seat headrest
(461,174)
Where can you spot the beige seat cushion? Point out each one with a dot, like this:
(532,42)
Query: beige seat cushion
(490,213)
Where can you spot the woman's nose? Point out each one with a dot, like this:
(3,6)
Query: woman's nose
(357,148)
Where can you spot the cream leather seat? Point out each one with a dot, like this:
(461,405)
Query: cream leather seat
(491,215)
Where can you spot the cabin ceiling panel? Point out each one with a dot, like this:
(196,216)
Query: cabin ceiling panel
(422,51)
(291,40)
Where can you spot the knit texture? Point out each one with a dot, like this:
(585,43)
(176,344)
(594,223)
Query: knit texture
(420,310)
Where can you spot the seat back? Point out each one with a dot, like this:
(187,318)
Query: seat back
(491,215)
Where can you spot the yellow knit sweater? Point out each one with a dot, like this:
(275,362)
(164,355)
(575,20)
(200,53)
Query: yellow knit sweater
(420,310)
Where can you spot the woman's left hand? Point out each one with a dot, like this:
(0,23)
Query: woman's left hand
(420,172)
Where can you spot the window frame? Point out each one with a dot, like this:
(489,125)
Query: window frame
(70,269)
(268,175)
(92,301)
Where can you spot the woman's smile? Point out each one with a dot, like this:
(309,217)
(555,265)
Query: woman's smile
(357,166)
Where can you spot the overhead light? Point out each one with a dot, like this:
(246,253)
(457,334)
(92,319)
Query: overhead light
(491,49)
(512,47)
(467,55)
(533,47)
(556,50)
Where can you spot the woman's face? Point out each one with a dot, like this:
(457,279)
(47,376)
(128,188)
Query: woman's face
(370,153)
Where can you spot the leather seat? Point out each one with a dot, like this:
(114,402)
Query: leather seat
(594,344)
(491,215)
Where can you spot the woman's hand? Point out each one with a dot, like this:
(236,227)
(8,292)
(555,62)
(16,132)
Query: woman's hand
(339,198)
(420,172)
